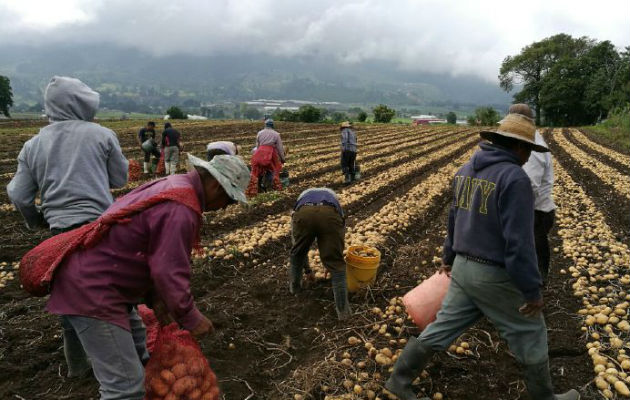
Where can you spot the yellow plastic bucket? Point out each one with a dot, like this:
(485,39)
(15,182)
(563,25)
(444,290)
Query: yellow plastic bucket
(361,266)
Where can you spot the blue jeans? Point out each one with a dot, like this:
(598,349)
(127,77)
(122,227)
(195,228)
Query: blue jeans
(117,355)
(477,290)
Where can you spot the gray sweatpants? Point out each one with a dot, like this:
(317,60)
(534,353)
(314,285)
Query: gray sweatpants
(477,290)
(116,354)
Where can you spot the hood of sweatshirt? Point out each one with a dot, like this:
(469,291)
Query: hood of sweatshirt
(70,99)
(492,154)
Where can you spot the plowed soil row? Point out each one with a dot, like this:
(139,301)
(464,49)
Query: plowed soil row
(613,206)
(623,168)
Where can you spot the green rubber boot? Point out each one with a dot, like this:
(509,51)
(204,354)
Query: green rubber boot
(340,292)
(539,387)
(411,362)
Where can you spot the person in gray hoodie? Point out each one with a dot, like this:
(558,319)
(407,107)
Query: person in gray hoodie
(72,163)
(490,246)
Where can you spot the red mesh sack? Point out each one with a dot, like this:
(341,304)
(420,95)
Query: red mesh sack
(38,266)
(152,325)
(160,168)
(135,170)
(178,370)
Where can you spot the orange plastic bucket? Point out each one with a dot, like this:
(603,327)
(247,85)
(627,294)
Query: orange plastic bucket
(425,300)
(361,266)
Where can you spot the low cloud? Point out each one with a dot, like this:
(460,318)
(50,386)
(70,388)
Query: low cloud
(435,36)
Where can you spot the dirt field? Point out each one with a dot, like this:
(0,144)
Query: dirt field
(286,346)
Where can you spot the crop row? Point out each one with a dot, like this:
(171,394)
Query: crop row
(601,280)
(610,153)
(244,240)
(608,175)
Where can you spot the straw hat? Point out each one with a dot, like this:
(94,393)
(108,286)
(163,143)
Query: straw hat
(345,124)
(516,126)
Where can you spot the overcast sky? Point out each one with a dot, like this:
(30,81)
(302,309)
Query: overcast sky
(457,37)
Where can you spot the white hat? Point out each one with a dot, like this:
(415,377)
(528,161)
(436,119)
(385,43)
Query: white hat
(230,171)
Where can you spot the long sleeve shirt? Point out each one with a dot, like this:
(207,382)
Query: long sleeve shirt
(539,168)
(348,140)
(269,137)
(151,252)
(72,162)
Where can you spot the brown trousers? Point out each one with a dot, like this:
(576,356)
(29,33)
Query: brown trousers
(324,224)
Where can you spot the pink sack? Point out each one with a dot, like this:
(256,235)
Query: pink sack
(425,300)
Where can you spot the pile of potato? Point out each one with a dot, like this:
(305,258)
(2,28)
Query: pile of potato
(178,371)
(7,272)
(600,279)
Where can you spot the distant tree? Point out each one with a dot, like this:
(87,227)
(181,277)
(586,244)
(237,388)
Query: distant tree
(472,120)
(338,116)
(382,113)
(529,67)
(362,116)
(309,113)
(451,117)
(6,95)
(252,113)
(487,116)
(286,115)
(175,112)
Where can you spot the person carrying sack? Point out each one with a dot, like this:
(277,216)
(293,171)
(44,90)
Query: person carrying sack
(141,246)
(146,139)
(318,215)
(490,246)
(267,159)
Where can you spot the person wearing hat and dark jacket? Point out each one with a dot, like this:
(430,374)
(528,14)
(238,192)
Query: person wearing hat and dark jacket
(146,139)
(348,151)
(172,145)
(148,255)
(490,246)
(317,214)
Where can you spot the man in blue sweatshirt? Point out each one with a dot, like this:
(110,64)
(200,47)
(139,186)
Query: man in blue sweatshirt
(490,246)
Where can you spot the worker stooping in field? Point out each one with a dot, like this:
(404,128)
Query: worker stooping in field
(267,159)
(172,146)
(348,151)
(73,163)
(318,215)
(143,249)
(490,246)
(146,139)
(539,168)
(221,147)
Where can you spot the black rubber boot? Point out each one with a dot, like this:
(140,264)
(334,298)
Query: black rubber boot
(411,362)
(295,276)
(340,291)
(539,387)
(348,179)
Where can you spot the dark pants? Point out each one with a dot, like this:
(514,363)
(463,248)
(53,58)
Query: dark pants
(348,159)
(543,221)
(324,224)
(147,154)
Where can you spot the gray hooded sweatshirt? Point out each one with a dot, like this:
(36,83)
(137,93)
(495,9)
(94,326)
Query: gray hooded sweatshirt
(72,162)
